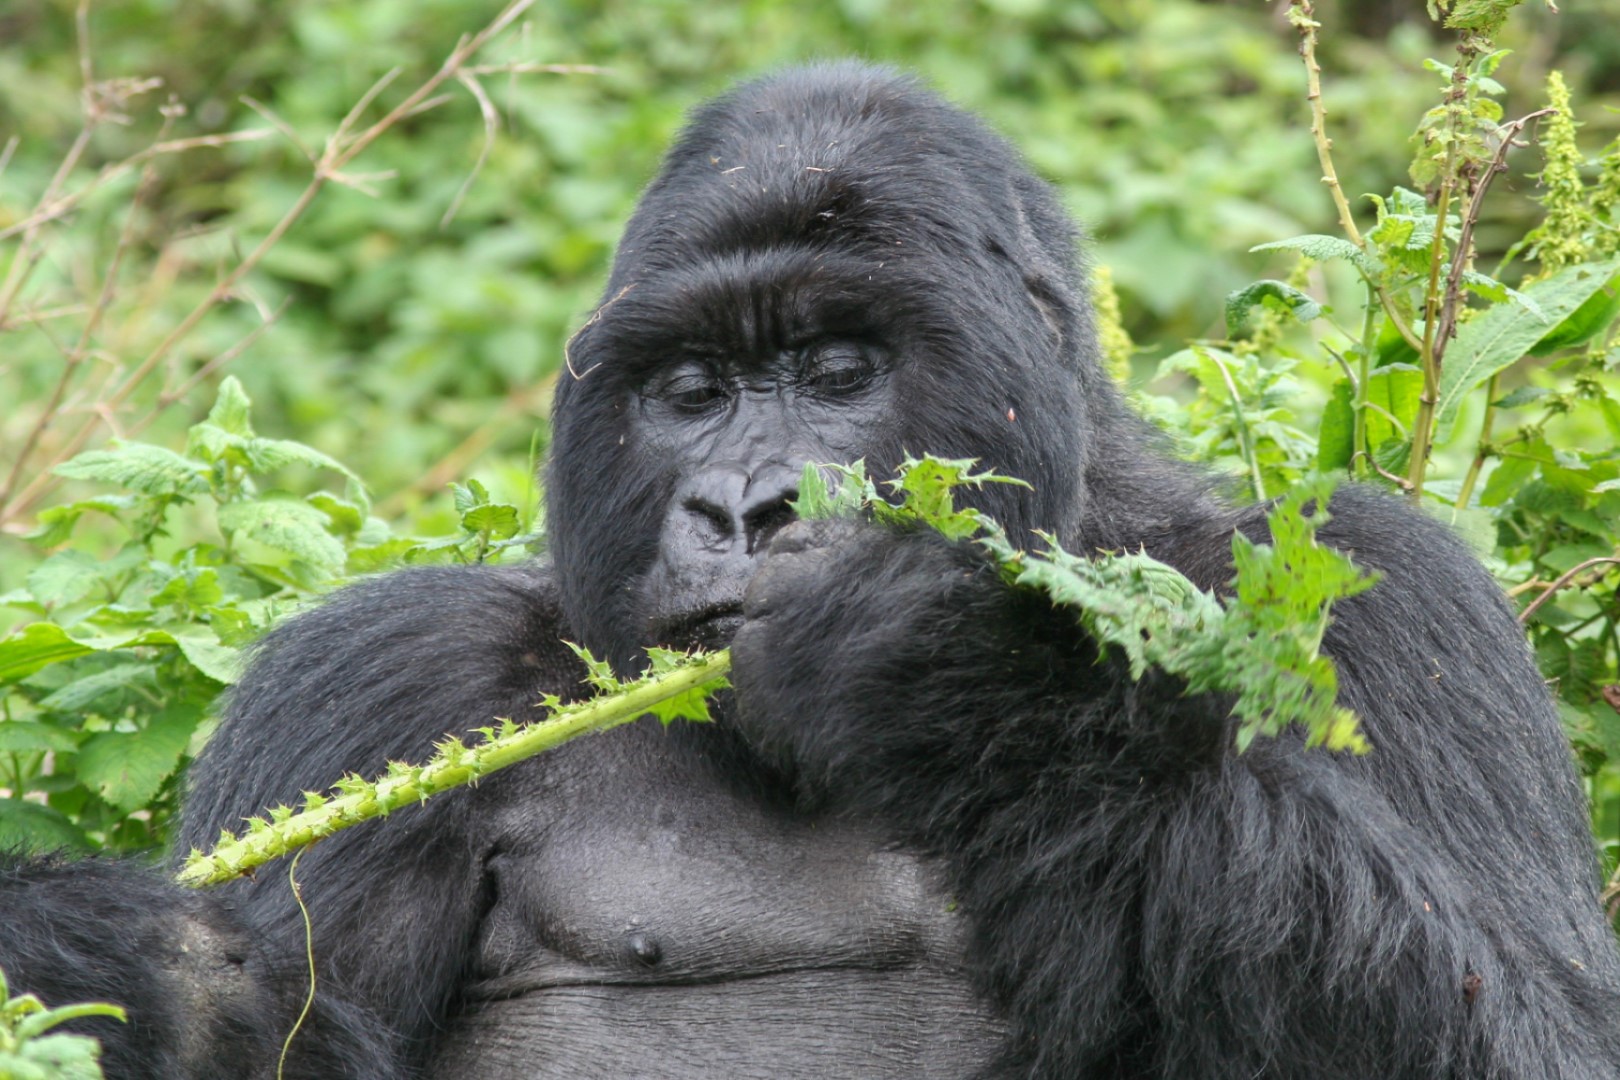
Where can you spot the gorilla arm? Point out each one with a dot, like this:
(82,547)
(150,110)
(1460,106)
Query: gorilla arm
(378,673)
(1145,900)
(214,980)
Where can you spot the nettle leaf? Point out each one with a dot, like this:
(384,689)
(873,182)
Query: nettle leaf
(469,495)
(126,768)
(232,409)
(150,470)
(1277,294)
(65,577)
(1586,322)
(287,524)
(1322,248)
(1522,396)
(54,525)
(1497,337)
(28,826)
(28,737)
(1335,443)
(498,520)
(818,500)
(85,690)
(37,646)
(1397,391)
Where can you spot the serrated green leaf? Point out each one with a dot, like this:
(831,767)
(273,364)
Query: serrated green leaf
(65,577)
(499,520)
(267,455)
(232,409)
(28,737)
(1323,248)
(193,591)
(1273,293)
(85,690)
(1397,390)
(469,495)
(54,525)
(1510,474)
(150,470)
(28,826)
(1595,315)
(207,654)
(1335,443)
(287,524)
(127,768)
(1497,337)
(38,645)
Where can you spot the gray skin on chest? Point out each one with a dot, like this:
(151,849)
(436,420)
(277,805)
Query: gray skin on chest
(648,920)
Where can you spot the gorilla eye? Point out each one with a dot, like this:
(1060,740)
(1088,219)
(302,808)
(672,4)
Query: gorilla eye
(689,389)
(837,369)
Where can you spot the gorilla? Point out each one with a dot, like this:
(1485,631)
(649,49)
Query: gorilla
(931,831)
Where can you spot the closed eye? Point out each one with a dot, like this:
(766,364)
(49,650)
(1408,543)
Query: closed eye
(837,369)
(689,388)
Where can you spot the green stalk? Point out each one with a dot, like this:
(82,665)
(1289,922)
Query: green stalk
(1360,452)
(455,764)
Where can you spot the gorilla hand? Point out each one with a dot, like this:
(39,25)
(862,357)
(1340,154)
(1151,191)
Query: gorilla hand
(874,663)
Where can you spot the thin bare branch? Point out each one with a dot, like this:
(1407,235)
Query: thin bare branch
(275,120)
(47,211)
(1465,240)
(492,123)
(340,149)
(529,68)
(1564,579)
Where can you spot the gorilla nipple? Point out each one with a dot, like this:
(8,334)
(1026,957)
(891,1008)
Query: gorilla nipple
(645,948)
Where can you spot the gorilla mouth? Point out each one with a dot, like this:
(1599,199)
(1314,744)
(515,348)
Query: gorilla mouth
(710,627)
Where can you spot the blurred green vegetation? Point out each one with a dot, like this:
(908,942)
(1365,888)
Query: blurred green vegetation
(1174,129)
(412,330)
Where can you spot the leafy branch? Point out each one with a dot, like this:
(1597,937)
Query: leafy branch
(1263,644)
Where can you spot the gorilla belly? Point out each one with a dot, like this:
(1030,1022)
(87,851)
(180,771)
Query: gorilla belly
(797,1024)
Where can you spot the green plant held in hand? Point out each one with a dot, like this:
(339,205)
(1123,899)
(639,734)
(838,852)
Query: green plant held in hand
(1263,645)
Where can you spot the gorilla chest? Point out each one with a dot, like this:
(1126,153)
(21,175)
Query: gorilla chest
(648,921)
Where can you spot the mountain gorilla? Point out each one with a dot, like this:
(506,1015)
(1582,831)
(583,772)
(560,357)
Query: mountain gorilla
(931,833)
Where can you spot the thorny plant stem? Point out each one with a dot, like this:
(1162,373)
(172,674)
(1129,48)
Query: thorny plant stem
(1360,453)
(1564,579)
(1482,448)
(454,766)
(1302,14)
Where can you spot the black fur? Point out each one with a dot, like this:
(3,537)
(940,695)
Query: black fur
(931,834)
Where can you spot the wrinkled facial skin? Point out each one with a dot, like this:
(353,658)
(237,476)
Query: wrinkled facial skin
(858,285)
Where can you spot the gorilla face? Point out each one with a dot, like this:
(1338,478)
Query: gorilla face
(818,275)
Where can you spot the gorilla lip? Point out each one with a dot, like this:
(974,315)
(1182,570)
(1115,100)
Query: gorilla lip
(707,628)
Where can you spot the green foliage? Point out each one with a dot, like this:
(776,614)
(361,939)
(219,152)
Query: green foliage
(1493,398)
(107,686)
(29,1052)
(1262,645)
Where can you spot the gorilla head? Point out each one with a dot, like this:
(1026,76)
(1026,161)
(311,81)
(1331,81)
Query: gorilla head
(833,265)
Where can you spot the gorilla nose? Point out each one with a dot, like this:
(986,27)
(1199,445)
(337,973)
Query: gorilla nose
(730,507)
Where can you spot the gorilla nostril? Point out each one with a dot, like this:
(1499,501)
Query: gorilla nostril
(715,521)
(764,522)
